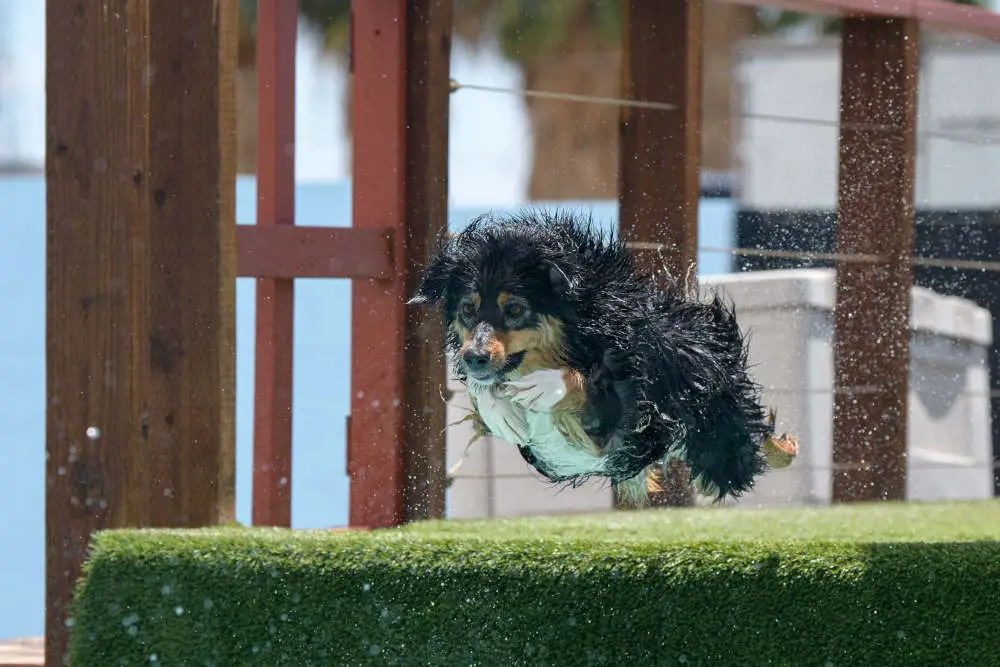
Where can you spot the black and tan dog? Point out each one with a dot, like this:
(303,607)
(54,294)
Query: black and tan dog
(572,355)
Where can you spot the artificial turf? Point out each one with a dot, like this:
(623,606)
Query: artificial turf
(883,584)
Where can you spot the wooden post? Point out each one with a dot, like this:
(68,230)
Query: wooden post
(375,445)
(428,61)
(400,58)
(272,452)
(875,201)
(660,150)
(140,357)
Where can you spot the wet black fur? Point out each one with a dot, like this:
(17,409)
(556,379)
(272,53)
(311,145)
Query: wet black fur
(666,371)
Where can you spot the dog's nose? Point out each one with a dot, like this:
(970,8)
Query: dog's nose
(475,360)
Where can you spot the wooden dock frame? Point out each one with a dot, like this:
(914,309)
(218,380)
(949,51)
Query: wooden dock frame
(143,250)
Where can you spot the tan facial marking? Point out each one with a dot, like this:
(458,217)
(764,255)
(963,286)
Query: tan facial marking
(495,346)
(544,345)
(465,335)
(503,298)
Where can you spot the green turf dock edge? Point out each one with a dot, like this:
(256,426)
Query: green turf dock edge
(885,584)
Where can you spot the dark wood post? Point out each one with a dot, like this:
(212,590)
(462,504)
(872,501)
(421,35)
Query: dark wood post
(140,358)
(660,189)
(875,202)
(428,66)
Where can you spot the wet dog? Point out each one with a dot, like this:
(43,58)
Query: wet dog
(571,354)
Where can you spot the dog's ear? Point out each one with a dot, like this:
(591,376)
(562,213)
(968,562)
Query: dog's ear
(433,281)
(561,284)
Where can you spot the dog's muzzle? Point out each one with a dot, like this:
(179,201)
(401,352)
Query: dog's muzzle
(485,359)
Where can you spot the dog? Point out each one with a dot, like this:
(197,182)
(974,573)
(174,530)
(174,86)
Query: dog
(570,353)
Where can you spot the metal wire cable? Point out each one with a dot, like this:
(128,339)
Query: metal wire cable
(967,264)
(974,140)
(973,265)
(830,391)
(565,97)
(830,467)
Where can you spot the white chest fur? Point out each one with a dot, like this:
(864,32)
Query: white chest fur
(519,411)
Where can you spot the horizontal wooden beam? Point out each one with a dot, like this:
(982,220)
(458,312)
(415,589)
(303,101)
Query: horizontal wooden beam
(314,252)
(933,14)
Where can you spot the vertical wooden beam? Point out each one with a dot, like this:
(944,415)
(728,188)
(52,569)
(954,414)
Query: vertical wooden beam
(376,459)
(428,58)
(875,200)
(272,449)
(659,187)
(189,199)
(140,188)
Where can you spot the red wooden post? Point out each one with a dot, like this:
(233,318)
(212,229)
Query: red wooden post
(375,459)
(272,452)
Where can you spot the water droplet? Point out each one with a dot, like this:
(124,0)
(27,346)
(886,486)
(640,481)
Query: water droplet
(93,432)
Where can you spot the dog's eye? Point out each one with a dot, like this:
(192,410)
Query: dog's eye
(468,309)
(514,310)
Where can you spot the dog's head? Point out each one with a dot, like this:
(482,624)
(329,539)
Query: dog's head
(504,302)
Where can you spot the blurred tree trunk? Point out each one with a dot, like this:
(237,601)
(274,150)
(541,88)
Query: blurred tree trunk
(575,145)
(246,120)
(725,26)
(246,100)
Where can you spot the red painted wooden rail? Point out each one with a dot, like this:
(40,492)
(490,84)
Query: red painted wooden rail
(275,251)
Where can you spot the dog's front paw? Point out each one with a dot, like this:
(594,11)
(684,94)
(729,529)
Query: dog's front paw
(538,391)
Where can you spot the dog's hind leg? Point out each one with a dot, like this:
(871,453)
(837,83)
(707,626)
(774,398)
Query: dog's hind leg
(633,493)
(779,450)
